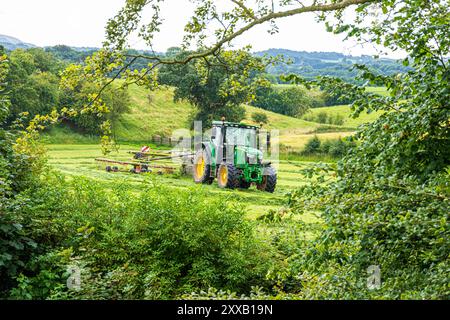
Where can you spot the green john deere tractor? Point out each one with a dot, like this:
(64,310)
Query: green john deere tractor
(232,156)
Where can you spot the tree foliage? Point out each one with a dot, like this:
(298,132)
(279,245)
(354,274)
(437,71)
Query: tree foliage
(292,101)
(389,203)
(19,171)
(115,97)
(32,82)
(217,87)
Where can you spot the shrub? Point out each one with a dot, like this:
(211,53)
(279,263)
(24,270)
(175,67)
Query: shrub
(260,117)
(338,120)
(325,118)
(312,146)
(335,148)
(322,117)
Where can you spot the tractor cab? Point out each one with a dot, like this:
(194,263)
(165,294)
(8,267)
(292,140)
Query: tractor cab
(232,156)
(235,140)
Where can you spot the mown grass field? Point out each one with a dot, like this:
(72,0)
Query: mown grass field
(78,160)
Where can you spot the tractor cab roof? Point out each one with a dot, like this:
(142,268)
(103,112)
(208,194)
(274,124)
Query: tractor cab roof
(233,124)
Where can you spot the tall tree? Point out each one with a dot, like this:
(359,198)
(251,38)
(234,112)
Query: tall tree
(32,82)
(216,88)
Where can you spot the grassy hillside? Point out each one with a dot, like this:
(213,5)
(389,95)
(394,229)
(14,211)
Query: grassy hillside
(152,113)
(155,113)
(346,113)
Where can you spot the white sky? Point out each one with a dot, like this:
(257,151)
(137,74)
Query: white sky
(81,23)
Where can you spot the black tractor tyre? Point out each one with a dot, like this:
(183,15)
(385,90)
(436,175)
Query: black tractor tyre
(244,184)
(269,181)
(202,167)
(228,176)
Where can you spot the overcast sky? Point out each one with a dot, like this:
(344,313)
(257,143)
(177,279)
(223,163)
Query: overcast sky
(81,23)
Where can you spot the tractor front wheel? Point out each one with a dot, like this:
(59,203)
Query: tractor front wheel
(228,176)
(269,180)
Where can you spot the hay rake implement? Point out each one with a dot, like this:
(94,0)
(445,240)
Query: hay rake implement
(144,162)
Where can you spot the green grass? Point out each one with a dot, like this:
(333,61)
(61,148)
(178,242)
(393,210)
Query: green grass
(78,160)
(346,113)
(279,121)
(382,91)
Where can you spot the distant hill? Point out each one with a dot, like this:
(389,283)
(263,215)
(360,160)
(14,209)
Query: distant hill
(306,64)
(11,43)
(156,113)
(313,64)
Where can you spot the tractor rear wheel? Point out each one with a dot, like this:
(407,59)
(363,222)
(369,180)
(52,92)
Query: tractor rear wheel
(228,176)
(202,167)
(269,180)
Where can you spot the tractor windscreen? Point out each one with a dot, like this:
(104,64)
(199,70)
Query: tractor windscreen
(241,137)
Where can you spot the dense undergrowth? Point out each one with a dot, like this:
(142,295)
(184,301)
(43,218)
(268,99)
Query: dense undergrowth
(158,243)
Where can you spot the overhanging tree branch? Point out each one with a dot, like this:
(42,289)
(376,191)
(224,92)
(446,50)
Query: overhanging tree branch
(258,21)
(247,11)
